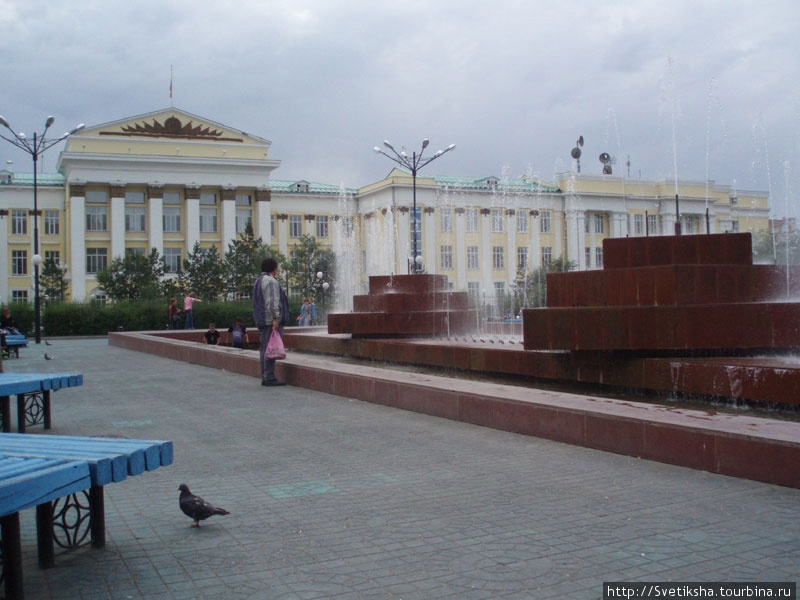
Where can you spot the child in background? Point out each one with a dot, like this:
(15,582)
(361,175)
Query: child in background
(212,335)
(187,309)
(238,334)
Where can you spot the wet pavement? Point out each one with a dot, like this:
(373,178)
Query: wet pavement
(336,498)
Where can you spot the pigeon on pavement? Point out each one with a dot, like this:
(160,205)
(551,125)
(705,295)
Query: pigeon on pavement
(48,357)
(195,507)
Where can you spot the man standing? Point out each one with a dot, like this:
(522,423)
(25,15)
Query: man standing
(270,311)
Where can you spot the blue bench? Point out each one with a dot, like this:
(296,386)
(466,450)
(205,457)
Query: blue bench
(12,342)
(33,396)
(61,467)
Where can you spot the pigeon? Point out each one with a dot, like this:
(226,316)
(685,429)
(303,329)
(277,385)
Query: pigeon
(46,343)
(48,357)
(196,508)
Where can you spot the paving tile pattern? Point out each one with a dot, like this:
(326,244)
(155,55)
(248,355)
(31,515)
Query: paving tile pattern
(335,498)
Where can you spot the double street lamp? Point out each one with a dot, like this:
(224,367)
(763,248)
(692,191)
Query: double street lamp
(35,147)
(413,163)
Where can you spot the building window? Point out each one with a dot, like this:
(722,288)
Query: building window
(19,295)
(96,218)
(172,260)
(498,257)
(243,217)
(522,259)
(97,196)
(52,222)
(134,219)
(134,197)
(499,291)
(522,221)
(19,222)
(322,226)
(272,226)
(688,225)
(545,221)
(208,198)
(547,256)
(474,289)
(19,262)
(208,220)
(599,223)
(96,259)
(497,220)
(172,198)
(171,219)
(138,251)
(415,224)
(588,257)
(295,226)
(598,257)
(472,220)
(638,224)
(349,226)
(652,224)
(446,257)
(244,200)
(446,220)
(472,257)
(52,256)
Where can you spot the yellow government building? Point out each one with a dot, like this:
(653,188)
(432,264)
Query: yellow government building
(170,179)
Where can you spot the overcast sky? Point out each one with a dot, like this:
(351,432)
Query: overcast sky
(511,83)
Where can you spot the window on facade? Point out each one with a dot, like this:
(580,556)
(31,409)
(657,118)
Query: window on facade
(244,200)
(19,262)
(498,257)
(474,290)
(19,295)
(499,290)
(598,257)
(734,226)
(446,220)
(588,257)
(446,257)
(295,226)
(134,197)
(497,220)
(52,256)
(522,259)
(243,217)
(172,198)
(134,219)
(547,256)
(96,218)
(545,221)
(472,220)
(19,221)
(208,220)
(96,259)
(652,224)
(472,257)
(172,260)
(415,223)
(97,196)
(52,222)
(599,223)
(135,251)
(322,226)
(522,221)
(688,225)
(171,219)
(638,224)
(272,226)
(208,198)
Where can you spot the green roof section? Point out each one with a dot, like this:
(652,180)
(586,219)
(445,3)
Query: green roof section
(55,179)
(524,184)
(303,186)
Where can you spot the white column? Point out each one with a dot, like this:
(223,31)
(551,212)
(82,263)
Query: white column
(117,224)
(511,265)
(228,223)
(77,246)
(573,240)
(5,292)
(283,234)
(156,209)
(461,250)
(263,216)
(403,241)
(192,223)
(535,253)
(486,255)
(429,235)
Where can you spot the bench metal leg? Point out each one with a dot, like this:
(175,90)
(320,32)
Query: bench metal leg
(97,518)
(44,534)
(48,422)
(12,557)
(5,405)
(21,413)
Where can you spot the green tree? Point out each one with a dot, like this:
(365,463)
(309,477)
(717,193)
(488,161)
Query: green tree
(306,259)
(133,276)
(203,273)
(530,289)
(242,262)
(771,247)
(52,280)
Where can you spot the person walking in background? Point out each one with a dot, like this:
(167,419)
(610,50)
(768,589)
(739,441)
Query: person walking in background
(173,314)
(312,312)
(270,311)
(303,318)
(238,334)
(187,309)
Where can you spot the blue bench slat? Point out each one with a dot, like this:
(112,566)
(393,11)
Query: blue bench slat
(55,479)
(24,383)
(101,468)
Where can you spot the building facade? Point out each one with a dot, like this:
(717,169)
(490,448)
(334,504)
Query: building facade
(169,180)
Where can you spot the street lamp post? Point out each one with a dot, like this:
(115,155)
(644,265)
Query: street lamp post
(35,148)
(413,163)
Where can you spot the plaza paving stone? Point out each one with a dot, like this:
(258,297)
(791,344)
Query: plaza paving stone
(336,498)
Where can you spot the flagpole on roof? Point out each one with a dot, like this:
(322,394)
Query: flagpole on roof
(170,86)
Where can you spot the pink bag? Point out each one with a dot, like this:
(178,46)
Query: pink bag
(275,349)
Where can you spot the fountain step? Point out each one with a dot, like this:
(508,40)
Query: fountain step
(758,325)
(422,283)
(403,323)
(408,302)
(713,249)
(672,284)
